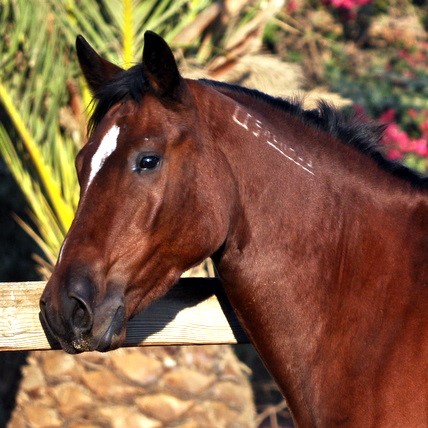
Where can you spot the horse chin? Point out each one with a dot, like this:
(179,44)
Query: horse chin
(110,341)
(70,347)
(107,337)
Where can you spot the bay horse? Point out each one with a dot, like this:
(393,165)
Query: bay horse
(320,243)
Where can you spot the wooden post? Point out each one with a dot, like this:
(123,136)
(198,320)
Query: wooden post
(195,311)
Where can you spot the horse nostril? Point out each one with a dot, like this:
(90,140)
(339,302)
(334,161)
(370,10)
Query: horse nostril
(42,305)
(82,317)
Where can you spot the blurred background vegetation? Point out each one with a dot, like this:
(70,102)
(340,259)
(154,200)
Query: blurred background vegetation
(373,52)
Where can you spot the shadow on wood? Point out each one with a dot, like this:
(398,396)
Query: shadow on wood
(195,311)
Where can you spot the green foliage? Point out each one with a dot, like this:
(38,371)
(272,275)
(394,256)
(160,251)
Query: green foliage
(32,91)
(114,27)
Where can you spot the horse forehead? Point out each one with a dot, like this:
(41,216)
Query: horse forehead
(105,149)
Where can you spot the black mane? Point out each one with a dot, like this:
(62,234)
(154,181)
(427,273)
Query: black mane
(366,136)
(128,85)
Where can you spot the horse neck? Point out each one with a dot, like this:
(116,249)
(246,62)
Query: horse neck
(314,236)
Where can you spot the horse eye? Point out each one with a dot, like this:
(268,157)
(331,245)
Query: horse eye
(147,162)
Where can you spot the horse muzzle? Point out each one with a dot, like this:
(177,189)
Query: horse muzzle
(78,321)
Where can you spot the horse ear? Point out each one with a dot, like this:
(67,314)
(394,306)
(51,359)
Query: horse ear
(97,70)
(160,67)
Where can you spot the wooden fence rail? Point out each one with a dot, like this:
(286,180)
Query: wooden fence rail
(195,311)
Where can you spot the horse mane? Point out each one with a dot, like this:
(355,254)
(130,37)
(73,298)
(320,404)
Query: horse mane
(127,85)
(349,128)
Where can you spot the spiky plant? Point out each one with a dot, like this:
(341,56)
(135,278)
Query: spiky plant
(32,92)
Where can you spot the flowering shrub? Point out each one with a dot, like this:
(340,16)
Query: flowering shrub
(356,48)
(399,145)
(416,58)
(392,87)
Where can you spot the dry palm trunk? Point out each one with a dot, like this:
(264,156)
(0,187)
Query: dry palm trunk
(203,386)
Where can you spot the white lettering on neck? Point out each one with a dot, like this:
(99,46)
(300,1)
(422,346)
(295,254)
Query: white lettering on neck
(241,121)
(255,126)
(105,149)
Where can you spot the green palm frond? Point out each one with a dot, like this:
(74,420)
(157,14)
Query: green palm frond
(32,91)
(43,169)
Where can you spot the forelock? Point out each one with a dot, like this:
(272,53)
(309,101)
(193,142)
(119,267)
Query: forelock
(128,85)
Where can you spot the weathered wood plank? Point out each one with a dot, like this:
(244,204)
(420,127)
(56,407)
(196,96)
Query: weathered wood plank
(196,311)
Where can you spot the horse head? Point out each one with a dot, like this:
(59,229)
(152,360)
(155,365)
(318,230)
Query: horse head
(149,200)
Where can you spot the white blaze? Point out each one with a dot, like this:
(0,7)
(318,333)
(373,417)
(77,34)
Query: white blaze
(105,149)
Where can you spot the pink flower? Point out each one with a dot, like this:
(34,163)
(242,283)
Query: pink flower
(293,6)
(347,4)
(388,116)
(395,136)
(424,128)
(398,144)
(394,154)
(419,146)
